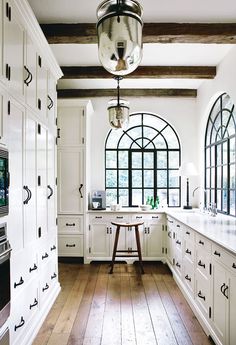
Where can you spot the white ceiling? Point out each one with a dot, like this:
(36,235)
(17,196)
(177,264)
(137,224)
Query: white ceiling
(80,11)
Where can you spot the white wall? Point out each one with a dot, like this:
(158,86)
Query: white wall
(225,81)
(179,112)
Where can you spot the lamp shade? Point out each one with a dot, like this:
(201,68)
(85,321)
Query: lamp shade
(118,113)
(119,30)
(188,169)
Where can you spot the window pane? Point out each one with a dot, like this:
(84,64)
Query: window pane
(111,196)
(161,159)
(111,159)
(113,138)
(170,137)
(161,178)
(162,193)
(136,197)
(173,178)
(219,199)
(225,152)
(111,178)
(208,171)
(136,178)
(219,185)
(148,178)
(123,197)
(208,160)
(213,178)
(225,176)
(149,133)
(231,128)
(232,176)
(125,142)
(135,133)
(123,159)
(148,192)
(232,150)
(123,178)
(159,142)
(173,197)
(218,154)
(174,159)
(135,120)
(154,121)
(225,196)
(137,160)
(148,162)
(232,203)
(213,156)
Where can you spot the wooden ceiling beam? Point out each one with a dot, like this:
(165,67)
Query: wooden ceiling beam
(149,72)
(85,33)
(84,93)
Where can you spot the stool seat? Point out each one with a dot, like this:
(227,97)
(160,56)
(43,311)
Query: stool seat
(138,251)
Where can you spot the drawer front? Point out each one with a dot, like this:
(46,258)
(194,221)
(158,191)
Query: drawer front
(189,251)
(188,234)
(99,218)
(178,263)
(202,293)
(203,243)
(203,263)
(70,245)
(224,257)
(123,218)
(188,276)
(70,225)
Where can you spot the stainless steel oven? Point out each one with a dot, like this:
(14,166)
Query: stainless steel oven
(5,289)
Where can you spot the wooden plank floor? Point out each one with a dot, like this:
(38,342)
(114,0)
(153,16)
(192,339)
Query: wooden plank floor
(123,308)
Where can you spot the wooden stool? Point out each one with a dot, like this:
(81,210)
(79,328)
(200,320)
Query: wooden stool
(139,255)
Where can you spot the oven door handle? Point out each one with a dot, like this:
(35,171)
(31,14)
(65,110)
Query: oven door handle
(5,255)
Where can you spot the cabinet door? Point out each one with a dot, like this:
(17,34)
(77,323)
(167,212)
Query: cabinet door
(41,180)
(232,309)
(51,99)
(70,126)
(219,301)
(42,87)
(13,124)
(70,181)
(100,240)
(30,69)
(154,240)
(51,201)
(30,187)
(13,50)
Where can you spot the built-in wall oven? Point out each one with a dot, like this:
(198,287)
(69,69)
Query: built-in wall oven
(5,289)
(4,181)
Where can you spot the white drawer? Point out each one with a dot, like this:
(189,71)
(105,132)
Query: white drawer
(99,218)
(188,233)
(70,245)
(203,243)
(227,259)
(203,263)
(178,263)
(188,276)
(202,293)
(189,251)
(117,217)
(70,225)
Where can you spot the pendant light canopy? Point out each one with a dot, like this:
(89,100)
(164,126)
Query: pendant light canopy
(118,110)
(119,31)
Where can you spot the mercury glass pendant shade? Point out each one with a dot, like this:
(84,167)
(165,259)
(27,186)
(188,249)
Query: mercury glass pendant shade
(118,113)
(119,30)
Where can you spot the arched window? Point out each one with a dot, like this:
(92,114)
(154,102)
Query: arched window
(220,155)
(142,161)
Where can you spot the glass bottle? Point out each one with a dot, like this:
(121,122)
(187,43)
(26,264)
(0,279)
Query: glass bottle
(152,203)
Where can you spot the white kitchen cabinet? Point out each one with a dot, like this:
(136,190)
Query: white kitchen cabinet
(71,125)
(30,72)
(13,48)
(51,180)
(51,99)
(71,245)
(42,190)
(70,181)
(100,240)
(42,87)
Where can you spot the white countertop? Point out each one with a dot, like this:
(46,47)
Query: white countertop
(220,229)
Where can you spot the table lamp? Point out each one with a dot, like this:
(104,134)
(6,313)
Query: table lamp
(187,169)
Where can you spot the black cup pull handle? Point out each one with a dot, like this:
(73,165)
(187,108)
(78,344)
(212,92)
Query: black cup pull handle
(25,202)
(46,287)
(53,276)
(51,191)
(31,269)
(217,253)
(201,264)
(20,282)
(34,304)
(22,322)
(53,247)
(201,296)
(80,188)
(45,256)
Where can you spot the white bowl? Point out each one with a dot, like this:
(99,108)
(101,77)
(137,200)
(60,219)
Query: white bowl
(145,207)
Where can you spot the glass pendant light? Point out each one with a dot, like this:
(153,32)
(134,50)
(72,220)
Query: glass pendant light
(118,110)
(119,31)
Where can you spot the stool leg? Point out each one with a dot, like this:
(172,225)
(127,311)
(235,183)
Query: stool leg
(139,249)
(115,248)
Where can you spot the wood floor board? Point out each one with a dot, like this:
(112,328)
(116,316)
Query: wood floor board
(123,308)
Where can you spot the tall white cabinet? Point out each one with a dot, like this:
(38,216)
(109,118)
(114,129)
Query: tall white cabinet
(73,183)
(28,77)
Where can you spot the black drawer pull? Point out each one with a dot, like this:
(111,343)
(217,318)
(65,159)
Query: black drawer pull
(54,276)
(178,265)
(139,217)
(22,322)
(45,256)
(178,226)
(187,278)
(234,265)
(31,269)
(70,245)
(53,248)
(119,217)
(201,264)
(187,251)
(217,253)
(46,287)
(201,296)
(178,242)
(70,224)
(155,217)
(169,234)
(171,221)
(20,282)
(34,304)
(98,217)
(201,242)
(187,233)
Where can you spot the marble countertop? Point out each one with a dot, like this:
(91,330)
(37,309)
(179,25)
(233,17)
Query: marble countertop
(220,229)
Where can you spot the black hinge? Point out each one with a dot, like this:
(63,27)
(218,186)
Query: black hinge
(166,227)
(39,129)
(56,221)
(39,104)
(82,140)
(56,121)
(39,180)
(89,227)
(39,231)
(39,61)
(162,227)
(163,250)
(209,312)
(9,108)
(210,269)
(83,112)
(56,141)
(89,250)
(166,250)
(56,181)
